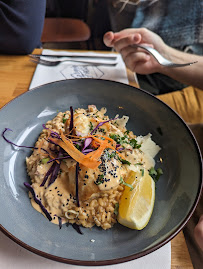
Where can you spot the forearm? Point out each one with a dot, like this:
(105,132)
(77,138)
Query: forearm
(191,75)
(21,24)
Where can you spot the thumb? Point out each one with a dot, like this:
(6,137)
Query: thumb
(108,39)
(137,38)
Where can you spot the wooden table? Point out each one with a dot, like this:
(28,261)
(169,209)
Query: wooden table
(15,76)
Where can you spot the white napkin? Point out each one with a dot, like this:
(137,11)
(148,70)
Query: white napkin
(11,253)
(70,70)
(14,256)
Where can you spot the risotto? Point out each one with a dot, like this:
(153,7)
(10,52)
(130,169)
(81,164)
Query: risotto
(79,165)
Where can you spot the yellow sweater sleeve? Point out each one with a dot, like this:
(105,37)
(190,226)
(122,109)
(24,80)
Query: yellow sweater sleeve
(188,103)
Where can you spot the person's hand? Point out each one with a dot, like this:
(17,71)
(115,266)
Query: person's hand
(136,59)
(198,233)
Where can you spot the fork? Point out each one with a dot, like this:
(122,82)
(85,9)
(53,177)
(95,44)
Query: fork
(160,59)
(38,60)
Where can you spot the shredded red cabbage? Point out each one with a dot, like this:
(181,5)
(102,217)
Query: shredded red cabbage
(53,134)
(87,142)
(76,184)
(77,228)
(60,222)
(100,124)
(71,120)
(48,173)
(54,174)
(10,142)
(59,158)
(120,149)
(30,188)
(3,135)
(87,151)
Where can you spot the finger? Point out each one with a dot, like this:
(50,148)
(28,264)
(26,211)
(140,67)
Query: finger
(127,41)
(108,39)
(133,58)
(126,32)
(130,49)
(198,233)
(147,45)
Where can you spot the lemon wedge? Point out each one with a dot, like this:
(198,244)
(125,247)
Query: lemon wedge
(136,205)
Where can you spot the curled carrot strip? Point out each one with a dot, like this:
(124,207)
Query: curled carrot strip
(97,153)
(78,156)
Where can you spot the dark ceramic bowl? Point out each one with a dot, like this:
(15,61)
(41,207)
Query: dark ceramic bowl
(177,191)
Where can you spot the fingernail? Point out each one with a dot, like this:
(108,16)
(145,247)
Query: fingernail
(108,36)
(137,38)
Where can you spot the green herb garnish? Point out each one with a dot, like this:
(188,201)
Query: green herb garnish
(124,161)
(113,154)
(124,140)
(102,130)
(155,174)
(91,126)
(138,164)
(64,119)
(126,184)
(45,160)
(99,180)
(134,144)
(78,147)
(116,209)
(118,138)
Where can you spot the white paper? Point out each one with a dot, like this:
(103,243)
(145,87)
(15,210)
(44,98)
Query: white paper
(70,70)
(14,256)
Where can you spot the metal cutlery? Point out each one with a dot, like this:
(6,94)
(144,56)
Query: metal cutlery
(160,59)
(101,60)
(76,56)
(39,60)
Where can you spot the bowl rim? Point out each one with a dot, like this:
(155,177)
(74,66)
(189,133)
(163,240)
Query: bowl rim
(133,256)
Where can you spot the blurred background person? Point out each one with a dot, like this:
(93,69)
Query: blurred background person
(178,23)
(21,25)
(141,62)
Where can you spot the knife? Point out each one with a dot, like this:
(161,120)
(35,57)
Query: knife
(76,56)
